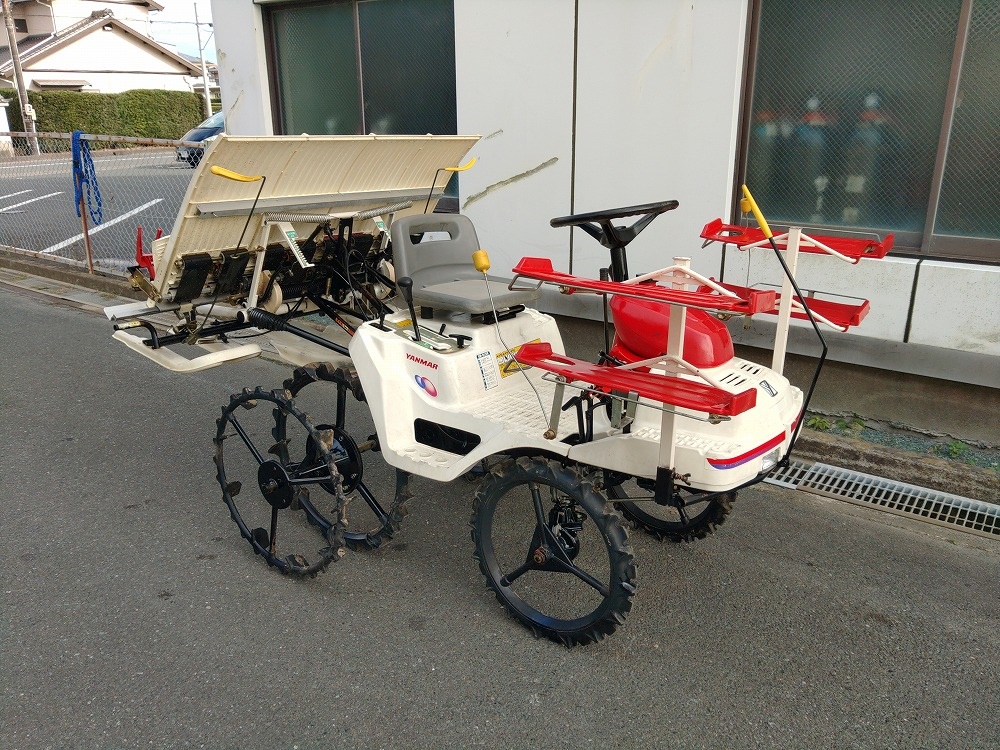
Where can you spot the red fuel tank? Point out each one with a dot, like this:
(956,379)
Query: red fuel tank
(641,328)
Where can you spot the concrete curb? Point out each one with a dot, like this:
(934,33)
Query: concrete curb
(36,264)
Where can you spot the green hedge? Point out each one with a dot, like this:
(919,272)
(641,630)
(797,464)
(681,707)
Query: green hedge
(142,113)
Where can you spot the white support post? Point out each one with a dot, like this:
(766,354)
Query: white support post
(258,267)
(675,348)
(785,305)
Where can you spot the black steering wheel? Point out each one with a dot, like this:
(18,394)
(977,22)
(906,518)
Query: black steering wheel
(651,209)
(598,225)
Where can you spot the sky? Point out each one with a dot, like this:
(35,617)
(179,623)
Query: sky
(174,27)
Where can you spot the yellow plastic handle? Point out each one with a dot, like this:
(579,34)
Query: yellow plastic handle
(757,214)
(231,175)
(467,165)
(481,260)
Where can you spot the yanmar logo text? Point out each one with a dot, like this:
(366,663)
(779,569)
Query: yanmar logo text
(422,361)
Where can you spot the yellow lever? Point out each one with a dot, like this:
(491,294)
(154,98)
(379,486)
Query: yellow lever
(757,214)
(467,165)
(231,175)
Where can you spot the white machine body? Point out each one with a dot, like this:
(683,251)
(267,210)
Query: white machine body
(480,396)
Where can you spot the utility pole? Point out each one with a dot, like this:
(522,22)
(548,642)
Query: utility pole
(204,68)
(27,114)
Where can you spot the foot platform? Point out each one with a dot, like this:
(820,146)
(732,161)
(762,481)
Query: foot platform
(837,315)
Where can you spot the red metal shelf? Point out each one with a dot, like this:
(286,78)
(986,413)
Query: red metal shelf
(855,248)
(841,314)
(754,301)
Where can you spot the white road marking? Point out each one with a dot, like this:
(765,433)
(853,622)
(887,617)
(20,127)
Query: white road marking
(11,195)
(41,167)
(99,227)
(30,200)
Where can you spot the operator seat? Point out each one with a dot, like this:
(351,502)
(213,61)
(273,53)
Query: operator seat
(442,270)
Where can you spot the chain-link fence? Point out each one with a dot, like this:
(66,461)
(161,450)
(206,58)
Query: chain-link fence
(127,183)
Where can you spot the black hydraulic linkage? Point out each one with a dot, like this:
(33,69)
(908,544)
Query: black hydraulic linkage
(270,321)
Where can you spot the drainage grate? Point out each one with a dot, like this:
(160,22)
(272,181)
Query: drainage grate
(942,508)
(789,476)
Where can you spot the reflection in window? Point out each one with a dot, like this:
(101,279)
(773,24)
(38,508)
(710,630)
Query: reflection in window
(847,109)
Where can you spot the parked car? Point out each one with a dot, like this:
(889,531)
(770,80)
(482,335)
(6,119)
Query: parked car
(203,133)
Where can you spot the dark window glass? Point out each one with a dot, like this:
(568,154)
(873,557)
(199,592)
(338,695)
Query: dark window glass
(876,117)
(404,81)
(408,66)
(847,107)
(315,64)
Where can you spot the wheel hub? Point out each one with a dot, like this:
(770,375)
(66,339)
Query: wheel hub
(346,457)
(274,485)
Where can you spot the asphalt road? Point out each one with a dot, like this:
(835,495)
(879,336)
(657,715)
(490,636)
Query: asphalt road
(133,615)
(138,187)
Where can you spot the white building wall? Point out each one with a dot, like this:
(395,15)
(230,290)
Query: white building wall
(649,94)
(88,56)
(242,64)
(957,306)
(522,178)
(883,283)
(657,111)
(934,318)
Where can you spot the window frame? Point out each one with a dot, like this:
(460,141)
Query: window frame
(271,57)
(925,244)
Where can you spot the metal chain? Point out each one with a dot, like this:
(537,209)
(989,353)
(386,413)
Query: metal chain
(85,185)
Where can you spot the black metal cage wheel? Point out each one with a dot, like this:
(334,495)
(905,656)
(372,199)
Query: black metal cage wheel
(371,517)
(556,556)
(267,484)
(690,515)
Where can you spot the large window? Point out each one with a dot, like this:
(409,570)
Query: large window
(881,117)
(347,67)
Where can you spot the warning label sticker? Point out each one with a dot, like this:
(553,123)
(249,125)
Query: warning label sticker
(488,370)
(508,365)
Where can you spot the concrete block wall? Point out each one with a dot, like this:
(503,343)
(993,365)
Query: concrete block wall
(935,318)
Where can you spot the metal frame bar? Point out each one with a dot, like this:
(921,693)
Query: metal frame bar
(947,121)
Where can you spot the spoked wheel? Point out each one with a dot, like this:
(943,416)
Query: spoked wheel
(686,518)
(267,486)
(370,520)
(555,555)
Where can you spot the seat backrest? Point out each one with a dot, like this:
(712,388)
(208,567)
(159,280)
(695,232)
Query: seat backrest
(434,260)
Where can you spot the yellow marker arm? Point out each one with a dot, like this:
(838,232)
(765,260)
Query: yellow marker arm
(757,214)
(231,175)
(467,165)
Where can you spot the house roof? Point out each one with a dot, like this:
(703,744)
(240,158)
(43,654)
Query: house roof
(38,46)
(151,4)
(27,43)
